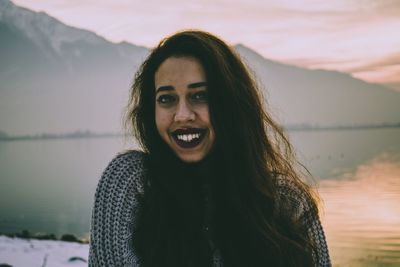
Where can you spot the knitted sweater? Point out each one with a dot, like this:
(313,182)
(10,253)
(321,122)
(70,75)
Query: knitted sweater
(116,206)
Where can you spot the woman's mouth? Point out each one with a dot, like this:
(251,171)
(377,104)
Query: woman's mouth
(189,137)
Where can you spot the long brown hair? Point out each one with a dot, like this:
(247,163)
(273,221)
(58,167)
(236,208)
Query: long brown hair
(251,164)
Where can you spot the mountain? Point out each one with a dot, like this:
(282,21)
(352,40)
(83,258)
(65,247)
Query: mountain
(303,96)
(56,78)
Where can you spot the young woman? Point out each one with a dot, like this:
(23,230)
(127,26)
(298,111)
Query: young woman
(216,183)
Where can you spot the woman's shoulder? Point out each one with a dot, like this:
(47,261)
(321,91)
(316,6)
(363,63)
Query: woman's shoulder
(129,158)
(296,196)
(125,170)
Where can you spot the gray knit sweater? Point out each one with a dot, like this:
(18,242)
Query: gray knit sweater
(116,206)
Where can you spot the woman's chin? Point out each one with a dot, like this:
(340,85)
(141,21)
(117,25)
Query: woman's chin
(191,158)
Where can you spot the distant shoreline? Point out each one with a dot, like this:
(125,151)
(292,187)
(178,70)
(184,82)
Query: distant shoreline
(49,136)
(290,128)
(25,234)
(340,127)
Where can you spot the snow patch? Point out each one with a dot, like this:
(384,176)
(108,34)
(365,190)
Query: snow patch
(22,252)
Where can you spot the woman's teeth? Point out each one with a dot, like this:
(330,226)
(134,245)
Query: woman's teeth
(188,137)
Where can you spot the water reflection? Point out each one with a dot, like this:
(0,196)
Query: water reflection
(362,218)
(48,186)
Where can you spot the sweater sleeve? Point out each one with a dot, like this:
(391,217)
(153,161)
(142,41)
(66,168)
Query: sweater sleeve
(316,232)
(114,211)
(304,210)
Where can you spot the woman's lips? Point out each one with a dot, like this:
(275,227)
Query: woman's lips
(189,137)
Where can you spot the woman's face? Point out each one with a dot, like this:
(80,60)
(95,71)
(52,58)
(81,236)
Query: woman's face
(182,114)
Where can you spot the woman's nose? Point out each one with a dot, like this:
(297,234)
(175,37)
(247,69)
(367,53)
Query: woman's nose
(184,112)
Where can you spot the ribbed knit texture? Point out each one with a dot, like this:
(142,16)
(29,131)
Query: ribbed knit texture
(116,206)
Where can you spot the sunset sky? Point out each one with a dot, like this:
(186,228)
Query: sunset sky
(357,36)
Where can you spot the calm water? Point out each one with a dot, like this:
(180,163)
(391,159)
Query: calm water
(48,186)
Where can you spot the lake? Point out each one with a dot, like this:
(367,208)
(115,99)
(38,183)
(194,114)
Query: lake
(48,186)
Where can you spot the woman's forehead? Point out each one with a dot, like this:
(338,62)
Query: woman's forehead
(179,71)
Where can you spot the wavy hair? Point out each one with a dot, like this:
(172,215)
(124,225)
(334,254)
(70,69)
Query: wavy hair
(247,174)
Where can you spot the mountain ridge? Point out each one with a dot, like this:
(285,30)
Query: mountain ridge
(56,84)
(60,32)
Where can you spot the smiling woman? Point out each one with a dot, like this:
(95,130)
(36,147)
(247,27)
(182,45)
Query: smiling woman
(215,184)
(182,116)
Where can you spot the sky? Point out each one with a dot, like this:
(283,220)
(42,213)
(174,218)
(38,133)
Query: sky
(361,37)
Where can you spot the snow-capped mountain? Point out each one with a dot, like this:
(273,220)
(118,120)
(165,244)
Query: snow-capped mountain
(52,36)
(45,31)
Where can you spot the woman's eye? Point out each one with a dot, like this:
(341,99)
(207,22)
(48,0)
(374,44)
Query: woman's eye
(165,99)
(200,96)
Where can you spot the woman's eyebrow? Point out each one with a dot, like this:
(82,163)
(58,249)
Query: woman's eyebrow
(165,88)
(196,85)
(190,86)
